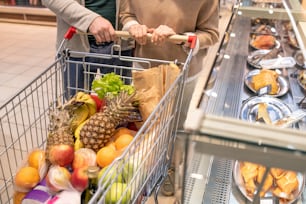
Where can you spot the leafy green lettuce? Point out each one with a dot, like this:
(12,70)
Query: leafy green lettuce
(110,84)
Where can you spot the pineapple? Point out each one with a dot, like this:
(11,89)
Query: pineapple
(99,129)
(59,130)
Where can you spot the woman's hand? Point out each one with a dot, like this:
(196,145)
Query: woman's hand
(160,34)
(139,33)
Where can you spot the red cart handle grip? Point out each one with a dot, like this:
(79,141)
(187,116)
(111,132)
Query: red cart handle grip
(70,32)
(192,39)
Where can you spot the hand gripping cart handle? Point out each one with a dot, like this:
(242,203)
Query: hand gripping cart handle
(177,39)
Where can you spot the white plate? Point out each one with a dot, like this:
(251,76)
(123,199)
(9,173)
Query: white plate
(255,56)
(283,84)
(276,108)
(240,184)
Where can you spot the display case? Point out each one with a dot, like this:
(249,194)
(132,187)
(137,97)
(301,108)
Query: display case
(245,134)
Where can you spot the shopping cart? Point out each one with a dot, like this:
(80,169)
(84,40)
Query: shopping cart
(24,123)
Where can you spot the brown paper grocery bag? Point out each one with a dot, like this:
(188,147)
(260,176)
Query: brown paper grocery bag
(151,84)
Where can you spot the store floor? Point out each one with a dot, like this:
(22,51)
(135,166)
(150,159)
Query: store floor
(26,50)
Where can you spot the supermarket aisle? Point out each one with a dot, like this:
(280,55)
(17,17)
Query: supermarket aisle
(26,50)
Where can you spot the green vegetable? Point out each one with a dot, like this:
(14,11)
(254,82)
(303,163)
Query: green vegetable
(110,84)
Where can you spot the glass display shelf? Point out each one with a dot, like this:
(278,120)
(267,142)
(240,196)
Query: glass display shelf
(223,125)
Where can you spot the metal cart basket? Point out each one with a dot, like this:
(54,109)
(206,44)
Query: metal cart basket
(24,123)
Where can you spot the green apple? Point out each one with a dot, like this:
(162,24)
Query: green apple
(109,176)
(117,191)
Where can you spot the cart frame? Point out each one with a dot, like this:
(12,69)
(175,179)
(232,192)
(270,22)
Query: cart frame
(24,120)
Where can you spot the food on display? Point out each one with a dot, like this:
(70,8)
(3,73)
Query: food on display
(267,1)
(292,40)
(279,182)
(266,78)
(263,113)
(299,59)
(257,56)
(263,42)
(302,79)
(265,30)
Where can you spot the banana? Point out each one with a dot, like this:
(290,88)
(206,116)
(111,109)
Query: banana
(78,144)
(79,95)
(78,129)
(92,107)
(80,114)
(86,98)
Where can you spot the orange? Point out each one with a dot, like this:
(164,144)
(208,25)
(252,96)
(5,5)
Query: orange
(18,197)
(106,156)
(121,131)
(123,141)
(111,144)
(36,158)
(27,177)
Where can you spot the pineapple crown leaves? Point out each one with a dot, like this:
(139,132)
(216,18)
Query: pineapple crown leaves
(124,106)
(59,118)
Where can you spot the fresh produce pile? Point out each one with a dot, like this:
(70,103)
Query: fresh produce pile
(90,129)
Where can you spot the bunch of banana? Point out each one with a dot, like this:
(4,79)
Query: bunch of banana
(81,106)
(78,144)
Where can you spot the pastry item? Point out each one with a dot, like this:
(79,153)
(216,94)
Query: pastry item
(268,182)
(286,185)
(263,42)
(263,113)
(266,78)
(277,173)
(302,79)
(281,183)
(249,172)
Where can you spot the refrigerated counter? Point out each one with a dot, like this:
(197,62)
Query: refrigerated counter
(223,130)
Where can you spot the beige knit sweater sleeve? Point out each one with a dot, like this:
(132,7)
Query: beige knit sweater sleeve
(72,12)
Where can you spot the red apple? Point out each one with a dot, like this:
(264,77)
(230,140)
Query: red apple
(79,179)
(100,103)
(84,157)
(61,155)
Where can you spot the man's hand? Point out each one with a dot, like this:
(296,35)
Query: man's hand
(102,30)
(139,33)
(160,34)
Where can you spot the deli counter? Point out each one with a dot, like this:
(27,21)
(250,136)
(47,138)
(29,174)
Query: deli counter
(245,133)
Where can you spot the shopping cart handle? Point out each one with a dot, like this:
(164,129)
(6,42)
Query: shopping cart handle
(192,39)
(177,39)
(70,32)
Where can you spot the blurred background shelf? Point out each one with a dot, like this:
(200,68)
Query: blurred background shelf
(27,14)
